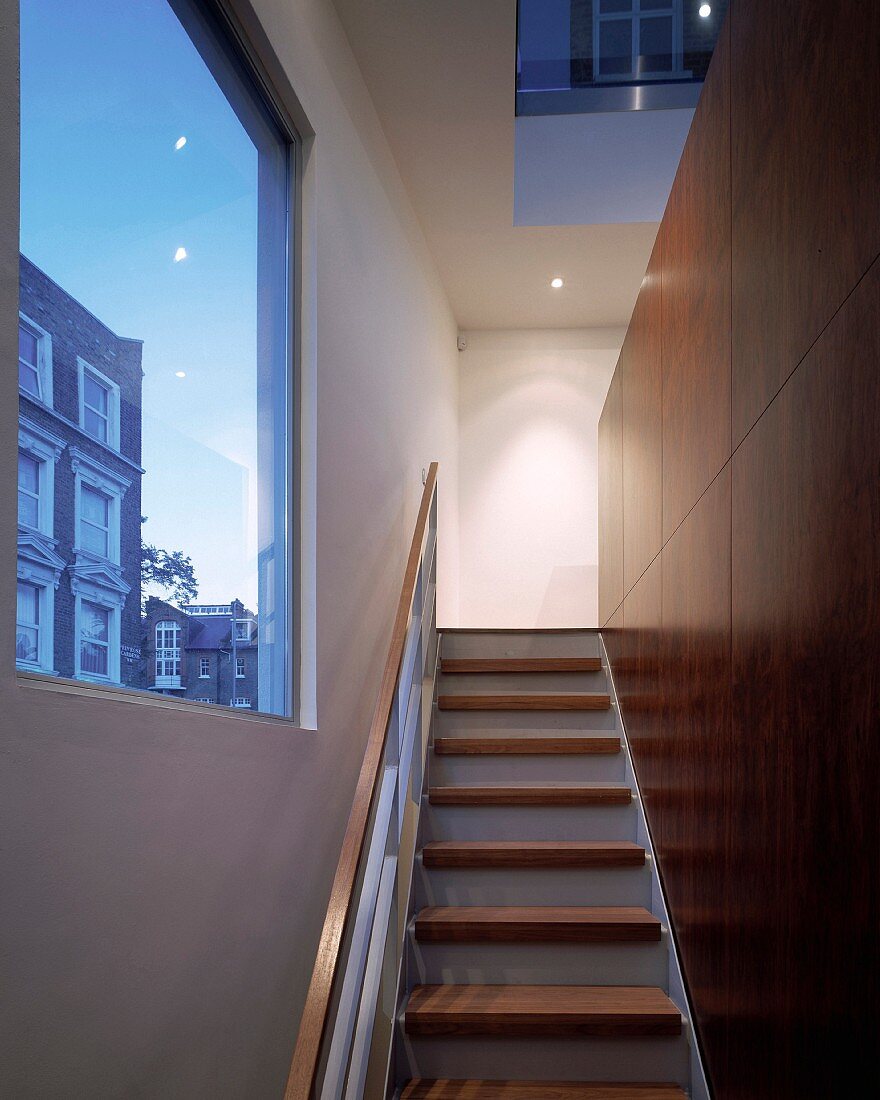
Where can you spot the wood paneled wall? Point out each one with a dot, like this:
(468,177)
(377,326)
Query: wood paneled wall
(740,550)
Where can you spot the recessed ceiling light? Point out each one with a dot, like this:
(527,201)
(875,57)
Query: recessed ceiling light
(179,144)
(180,374)
(705,10)
(179,255)
(556,283)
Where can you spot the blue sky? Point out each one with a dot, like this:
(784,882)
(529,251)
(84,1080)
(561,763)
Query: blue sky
(106,202)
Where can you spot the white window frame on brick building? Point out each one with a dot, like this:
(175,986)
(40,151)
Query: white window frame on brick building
(43,367)
(97,477)
(105,603)
(241,702)
(168,632)
(86,372)
(635,17)
(204,668)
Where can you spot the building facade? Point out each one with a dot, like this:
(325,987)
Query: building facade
(202,652)
(79,490)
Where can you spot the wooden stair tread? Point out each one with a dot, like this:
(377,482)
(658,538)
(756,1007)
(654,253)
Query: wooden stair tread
(423,1089)
(544,795)
(536,924)
(562,700)
(526,746)
(520,664)
(540,1010)
(533,853)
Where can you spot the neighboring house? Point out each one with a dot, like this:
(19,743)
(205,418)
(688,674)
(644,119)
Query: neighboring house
(190,653)
(662,41)
(79,490)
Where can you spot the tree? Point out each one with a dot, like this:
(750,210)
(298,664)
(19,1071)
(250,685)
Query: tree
(172,571)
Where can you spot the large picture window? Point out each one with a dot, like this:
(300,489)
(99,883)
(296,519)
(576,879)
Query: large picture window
(154,354)
(637,40)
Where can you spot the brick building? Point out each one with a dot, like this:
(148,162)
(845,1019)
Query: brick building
(191,652)
(79,490)
(692,37)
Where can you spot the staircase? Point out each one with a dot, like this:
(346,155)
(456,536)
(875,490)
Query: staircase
(537,964)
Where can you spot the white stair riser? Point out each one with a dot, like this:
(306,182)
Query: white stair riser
(528,822)
(503,768)
(664,1058)
(476,683)
(577,643)
(532,886)
(538,963)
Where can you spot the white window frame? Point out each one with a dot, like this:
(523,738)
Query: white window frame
(45,625)
(113,403)
(45,448)
(239,664)
(44,360)
(106,530)
(35,495)
(204,668)
(98,477)
(165,679)
(635,17)
(108,602)
(241,702)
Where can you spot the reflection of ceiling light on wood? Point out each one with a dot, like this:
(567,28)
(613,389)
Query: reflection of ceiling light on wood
(179,255)
(556,283)
(705,10)
(179,144)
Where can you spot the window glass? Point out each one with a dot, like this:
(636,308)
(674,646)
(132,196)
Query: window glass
(615,46)
(155,256)
(95,521)
(28,490)
(655,44)
(27,623)
(94,639)
(28,361)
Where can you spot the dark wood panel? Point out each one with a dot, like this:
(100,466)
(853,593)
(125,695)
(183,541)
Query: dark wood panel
(565,700)
(424,1089)
(806,669)
(691,808)
(526,746)
(695,238)
(546,795)
(520,664)
(637,676)
(610,503)
(642,428)
(806,175)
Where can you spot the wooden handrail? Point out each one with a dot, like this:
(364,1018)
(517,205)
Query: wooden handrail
(314,1018)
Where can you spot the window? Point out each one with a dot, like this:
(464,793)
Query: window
(202,699)
(34,361)
(239,668)
(637,40)
(94,639)
(98,405)
(167,651)
(28,490)
(204,668)
(27,624)
(94,521)
(241,701)
(175,304)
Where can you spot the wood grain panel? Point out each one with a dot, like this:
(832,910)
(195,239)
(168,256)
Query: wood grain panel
(610,503)
(567,700)
(642,428)
(546,795)
(806,175)
(520,664)
(806,673)
(526,746)
(695,236)
(637,676)
(536,924)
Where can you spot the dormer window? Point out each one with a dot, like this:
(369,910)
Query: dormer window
(242,630)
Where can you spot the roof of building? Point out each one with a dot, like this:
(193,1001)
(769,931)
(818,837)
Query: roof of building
(213,632)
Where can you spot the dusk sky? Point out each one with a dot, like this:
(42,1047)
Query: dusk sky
(107,200)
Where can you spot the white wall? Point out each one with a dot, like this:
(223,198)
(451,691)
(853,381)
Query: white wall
(529,410)
(169,872)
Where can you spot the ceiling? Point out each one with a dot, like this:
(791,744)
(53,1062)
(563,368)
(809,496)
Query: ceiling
(441,76)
